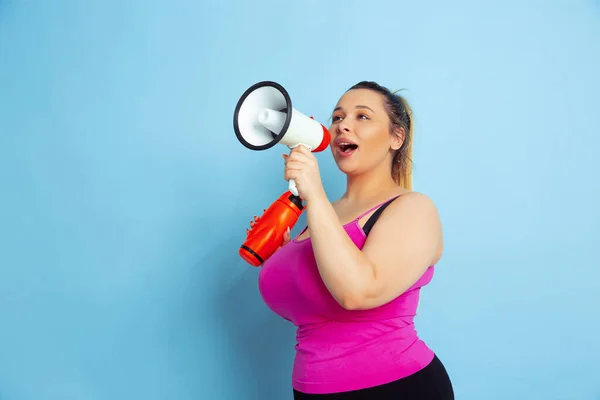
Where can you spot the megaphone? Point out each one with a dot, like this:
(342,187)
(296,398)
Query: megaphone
(264,116)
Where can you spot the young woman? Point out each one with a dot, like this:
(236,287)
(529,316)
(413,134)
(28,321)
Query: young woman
(351,280)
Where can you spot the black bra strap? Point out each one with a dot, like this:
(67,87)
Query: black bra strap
(375,216)
(372,219)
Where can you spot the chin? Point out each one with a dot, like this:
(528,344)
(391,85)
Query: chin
(346,166)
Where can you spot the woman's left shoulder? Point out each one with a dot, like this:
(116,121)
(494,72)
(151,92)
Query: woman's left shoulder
(413,210)
(415,200)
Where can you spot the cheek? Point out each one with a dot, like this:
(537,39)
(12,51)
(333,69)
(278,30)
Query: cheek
(376,141)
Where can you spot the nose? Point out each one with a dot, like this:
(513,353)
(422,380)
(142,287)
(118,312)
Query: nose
(342,126)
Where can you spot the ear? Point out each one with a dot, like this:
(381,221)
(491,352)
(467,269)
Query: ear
(398,138)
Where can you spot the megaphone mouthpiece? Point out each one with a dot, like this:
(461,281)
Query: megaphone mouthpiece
(272,120)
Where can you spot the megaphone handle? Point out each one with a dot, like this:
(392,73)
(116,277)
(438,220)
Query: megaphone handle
(293,188)
(292,183)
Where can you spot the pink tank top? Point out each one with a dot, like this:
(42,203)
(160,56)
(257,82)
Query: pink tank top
(337,349)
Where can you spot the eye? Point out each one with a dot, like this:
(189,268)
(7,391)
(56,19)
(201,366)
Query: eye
(363,116)
(335,118)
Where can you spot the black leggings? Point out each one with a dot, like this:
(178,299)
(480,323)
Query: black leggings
(430,383)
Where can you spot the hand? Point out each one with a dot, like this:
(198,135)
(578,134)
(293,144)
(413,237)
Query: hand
(286,238)
(301,165)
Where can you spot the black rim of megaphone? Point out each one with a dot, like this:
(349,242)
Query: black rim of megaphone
(287,110)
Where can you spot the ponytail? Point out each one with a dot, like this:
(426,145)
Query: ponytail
(402,163)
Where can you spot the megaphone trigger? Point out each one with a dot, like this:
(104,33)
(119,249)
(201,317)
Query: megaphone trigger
(301,144)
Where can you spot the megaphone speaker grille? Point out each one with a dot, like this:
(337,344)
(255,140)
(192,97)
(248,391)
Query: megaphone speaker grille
(262,115)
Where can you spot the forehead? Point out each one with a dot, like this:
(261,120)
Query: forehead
(361,97)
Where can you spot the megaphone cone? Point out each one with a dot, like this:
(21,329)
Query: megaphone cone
(264,116)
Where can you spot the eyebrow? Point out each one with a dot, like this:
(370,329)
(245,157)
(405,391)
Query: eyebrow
(359,106)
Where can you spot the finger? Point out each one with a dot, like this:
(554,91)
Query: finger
(297,155)
(294,165)
(304,150)
(300,148)
(291,174)
(307,159)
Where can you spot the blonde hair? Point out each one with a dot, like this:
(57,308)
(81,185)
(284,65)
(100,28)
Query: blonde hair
(401,117)
(402,161)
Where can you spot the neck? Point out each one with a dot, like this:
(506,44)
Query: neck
(369,185)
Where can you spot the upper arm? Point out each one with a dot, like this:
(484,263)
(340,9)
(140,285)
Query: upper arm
(401,246)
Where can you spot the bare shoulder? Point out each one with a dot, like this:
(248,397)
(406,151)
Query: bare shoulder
(410,207)
(409,228)
(417,209)
(404,242)
(416,198)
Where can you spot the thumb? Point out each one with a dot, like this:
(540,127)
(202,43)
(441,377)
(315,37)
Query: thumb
(286,238)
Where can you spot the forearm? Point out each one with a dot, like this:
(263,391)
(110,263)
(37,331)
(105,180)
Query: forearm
(346,272)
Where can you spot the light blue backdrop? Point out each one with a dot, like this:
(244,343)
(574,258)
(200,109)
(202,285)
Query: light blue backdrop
(125,195)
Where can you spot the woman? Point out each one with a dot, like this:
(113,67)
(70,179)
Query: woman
(351,280)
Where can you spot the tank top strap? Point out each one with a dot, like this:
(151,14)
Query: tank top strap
(377,206)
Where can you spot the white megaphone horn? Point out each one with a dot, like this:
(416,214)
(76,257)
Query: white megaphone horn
(264,116)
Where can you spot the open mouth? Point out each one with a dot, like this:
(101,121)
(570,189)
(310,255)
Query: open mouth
(346,148)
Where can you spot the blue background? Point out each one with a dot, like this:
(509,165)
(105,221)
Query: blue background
(119,274)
